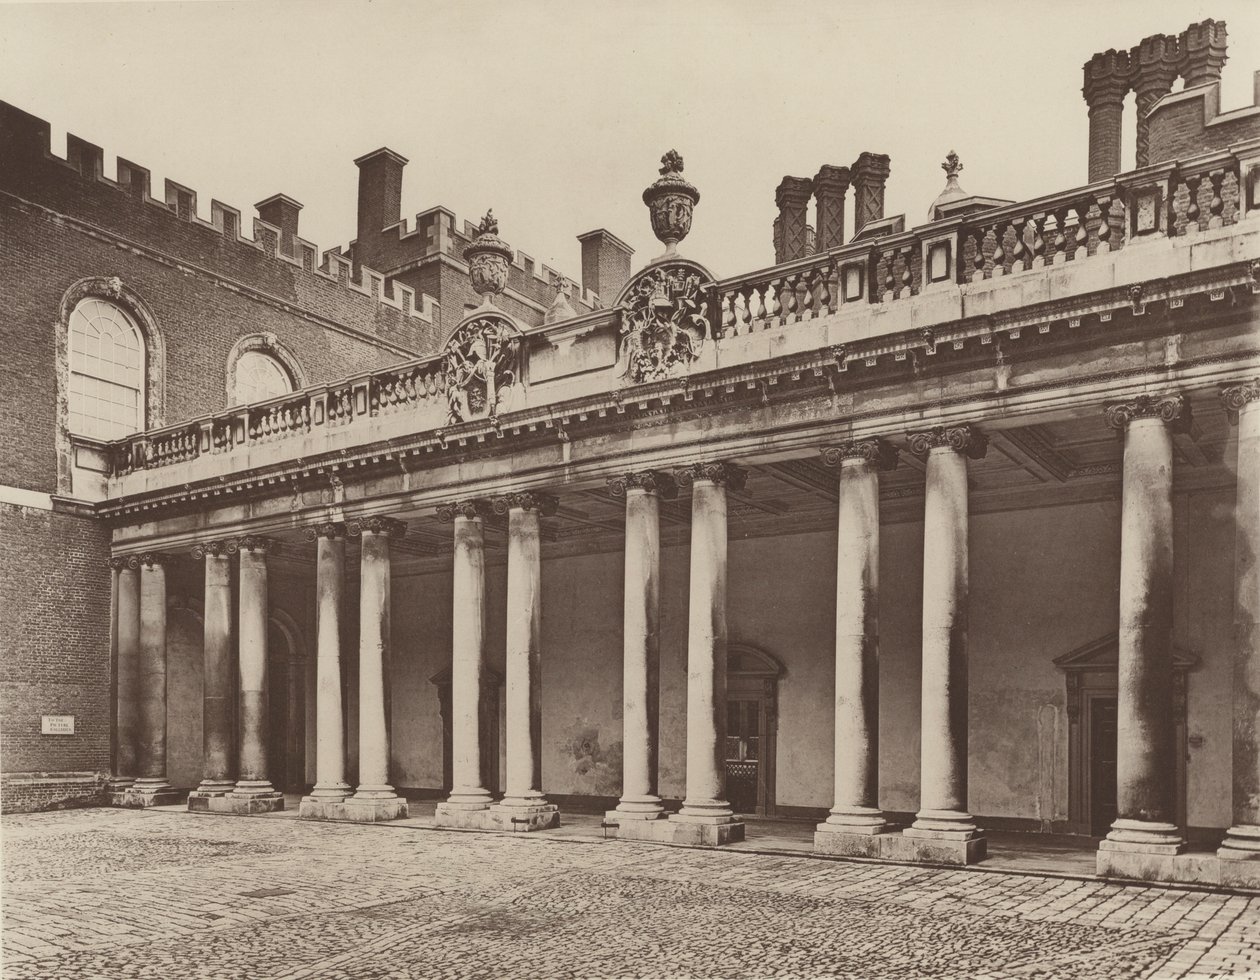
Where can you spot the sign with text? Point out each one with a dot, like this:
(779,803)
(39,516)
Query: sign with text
(56,724)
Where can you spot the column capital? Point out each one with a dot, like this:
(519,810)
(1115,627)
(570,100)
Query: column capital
(878,451)
(1171,408)
(255,542)
(467,509)
(1238,395)
(325,529)
(544,503)
(152,559)
(650,481)
(721,473)
(216,549)
(965,439)
(375,525)
(117,562)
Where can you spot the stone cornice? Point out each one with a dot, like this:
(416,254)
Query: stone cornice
(965,439)
(1171,408)
(649,481)
(877,451)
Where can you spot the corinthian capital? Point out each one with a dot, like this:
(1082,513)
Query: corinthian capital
(650,481)
(877,451)
(326,529)
(467,509)
(965,439)
(723,474)
(1237,396)
(376,525)
(544,503)
(1171,408)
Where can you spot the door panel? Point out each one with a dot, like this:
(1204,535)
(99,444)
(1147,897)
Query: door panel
(1102,764)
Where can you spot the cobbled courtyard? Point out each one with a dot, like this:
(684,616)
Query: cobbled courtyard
(110,893)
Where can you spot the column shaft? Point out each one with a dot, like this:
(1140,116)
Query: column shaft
(151,700)
(128,693)
(943,731)
(252,768)
(524,660)
(1243,839)
(219,682)
(641,657)
(706,656)
(856,808)
(330,746)
(468,664)
(374,636)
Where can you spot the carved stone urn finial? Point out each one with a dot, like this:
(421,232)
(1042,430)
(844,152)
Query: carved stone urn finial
(952,166)
(670,200)
(488,258)
(953,191)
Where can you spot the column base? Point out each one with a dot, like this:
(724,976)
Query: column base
(355,809)
(143,794)
(636,808)
(695,830)
(850,839)
(1241,843)
(210,789)
(943,825)
(119,784)
(1143,837)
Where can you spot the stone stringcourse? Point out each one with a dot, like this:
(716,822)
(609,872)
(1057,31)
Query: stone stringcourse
(1171,408)
(965,439)
(878,451)
(651,481)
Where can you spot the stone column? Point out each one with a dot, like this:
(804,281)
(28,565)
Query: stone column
(468,795)
(253,792)
(150,787)
(330,735)
(791,197)
(831,184)
(1242,842)
(706,807)
(943,825)
(218,685)
(1145,782)
(126,636)
(856,818)
(524,807)
(1106,84)
(869,173)
(374,799)
(641,658)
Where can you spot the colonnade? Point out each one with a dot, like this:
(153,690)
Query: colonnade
(943,829)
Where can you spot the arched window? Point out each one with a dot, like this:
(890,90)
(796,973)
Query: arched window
(106,371)
(259,376)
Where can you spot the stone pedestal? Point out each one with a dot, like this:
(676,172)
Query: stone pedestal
(354,809)
(506,818)
(238,803)
(951,848)
(139,796)
(684,830)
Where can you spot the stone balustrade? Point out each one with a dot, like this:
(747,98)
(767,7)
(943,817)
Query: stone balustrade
(950,259)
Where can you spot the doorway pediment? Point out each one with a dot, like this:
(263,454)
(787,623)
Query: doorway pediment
(1103,654)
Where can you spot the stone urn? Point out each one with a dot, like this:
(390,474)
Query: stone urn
(670,201)
(488,258)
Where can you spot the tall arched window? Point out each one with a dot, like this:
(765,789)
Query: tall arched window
(259,376)
(106,371)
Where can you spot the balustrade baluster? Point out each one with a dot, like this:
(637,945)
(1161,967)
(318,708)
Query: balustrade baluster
(1217,203)
(998,258)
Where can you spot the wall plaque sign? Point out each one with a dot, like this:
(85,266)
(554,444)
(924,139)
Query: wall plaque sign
(56,724)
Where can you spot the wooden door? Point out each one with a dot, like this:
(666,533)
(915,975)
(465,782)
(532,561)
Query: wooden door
(1104,742)
(745,776)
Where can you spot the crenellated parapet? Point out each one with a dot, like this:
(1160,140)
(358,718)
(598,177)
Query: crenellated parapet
(77,188)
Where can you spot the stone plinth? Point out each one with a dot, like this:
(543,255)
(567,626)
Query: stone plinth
(681,830)
(1201,868)
(510,819)
(137,797)
(236,804)
(906,847)
(352,810)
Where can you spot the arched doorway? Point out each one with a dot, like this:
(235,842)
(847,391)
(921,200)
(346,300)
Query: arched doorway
(752,722)
(286,704)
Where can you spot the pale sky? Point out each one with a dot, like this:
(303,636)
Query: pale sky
(556,113)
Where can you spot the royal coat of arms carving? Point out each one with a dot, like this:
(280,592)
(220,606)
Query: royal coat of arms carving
(665,321)
(481,363)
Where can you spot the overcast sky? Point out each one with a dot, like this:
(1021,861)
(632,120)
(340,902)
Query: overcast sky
(556,113)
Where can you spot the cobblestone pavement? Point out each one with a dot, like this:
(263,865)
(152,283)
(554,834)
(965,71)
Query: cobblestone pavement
(111,893)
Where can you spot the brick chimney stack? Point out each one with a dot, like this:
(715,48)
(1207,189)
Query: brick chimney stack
(282,211)
(1203,48)
(792,199)
(605,264)
(380,200)
(870,174)
(831,184)
(1107,77)
(1155,64)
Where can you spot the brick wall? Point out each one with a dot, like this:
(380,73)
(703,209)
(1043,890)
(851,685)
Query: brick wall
(1185,124)
(54,655)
